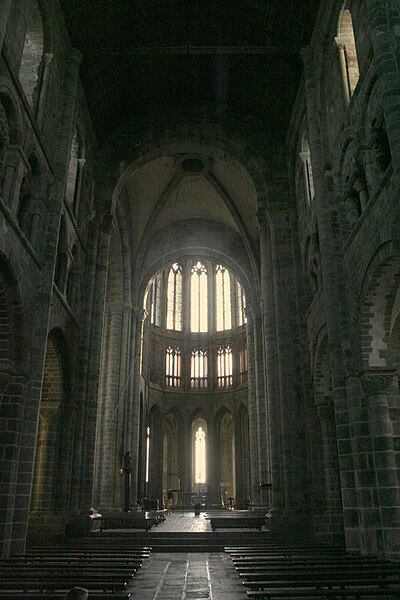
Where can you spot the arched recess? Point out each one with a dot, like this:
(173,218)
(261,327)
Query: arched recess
(325,483)
(379,309)
(243,468)
(172,454)
(52,471)
(10,137)
(225,454)
(199,453)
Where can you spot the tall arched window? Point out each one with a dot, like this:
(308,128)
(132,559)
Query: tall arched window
(347,54)
(240,305)
(174,298)
(31,62)
(199,299)
(155,301)
(305,156)
(75,166)
(223,299)
(200,455)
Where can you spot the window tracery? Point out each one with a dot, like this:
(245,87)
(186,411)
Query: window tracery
(174,298)
(197,315)
(199,298)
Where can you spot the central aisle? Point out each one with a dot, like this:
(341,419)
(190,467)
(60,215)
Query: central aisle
(177,576)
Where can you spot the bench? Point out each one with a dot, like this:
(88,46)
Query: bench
(236,521)
(135,520)
(325,593)
(50,571)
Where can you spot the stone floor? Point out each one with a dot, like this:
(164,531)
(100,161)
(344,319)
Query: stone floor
(177,576)
(181,575)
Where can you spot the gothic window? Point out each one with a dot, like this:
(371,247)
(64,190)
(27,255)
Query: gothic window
(30,68)
(155,301)
(199,369)
(173,367)
(75,166)
(199,299)
(307,170)
(243,363)
(174,298)
(240,305)
(223,299)
(200,455)
(347,54)
(224,366)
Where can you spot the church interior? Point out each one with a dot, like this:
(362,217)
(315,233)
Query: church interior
(200,266)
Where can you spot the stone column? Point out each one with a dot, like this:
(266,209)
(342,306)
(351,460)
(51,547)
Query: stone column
(332,521)
(387,70)
(133,324)
(43,492)
(253,425)
(12,388)
(376,383)
(271,367)
(88,371)
(264,469)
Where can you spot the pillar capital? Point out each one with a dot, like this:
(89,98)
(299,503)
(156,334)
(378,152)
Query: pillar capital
(376,381)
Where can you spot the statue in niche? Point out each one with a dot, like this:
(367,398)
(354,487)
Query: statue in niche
(127,462)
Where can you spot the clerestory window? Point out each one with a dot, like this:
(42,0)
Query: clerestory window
(174,298)
(224,366)
(223,299)
(199,369)
(199,298)
(173,367)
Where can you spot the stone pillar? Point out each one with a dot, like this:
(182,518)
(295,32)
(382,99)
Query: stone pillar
(87,380)
(376,383)
(133,323)
(12,388)
(253,425)
(271,367)
(387,70)
(43,491)
(331,528)
(264,470)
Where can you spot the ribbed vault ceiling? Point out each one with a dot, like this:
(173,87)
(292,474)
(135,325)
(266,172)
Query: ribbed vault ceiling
(146,58)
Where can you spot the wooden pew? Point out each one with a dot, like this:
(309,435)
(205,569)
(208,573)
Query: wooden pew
(312,572)
(51,571)
(134,520)
(239,521)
